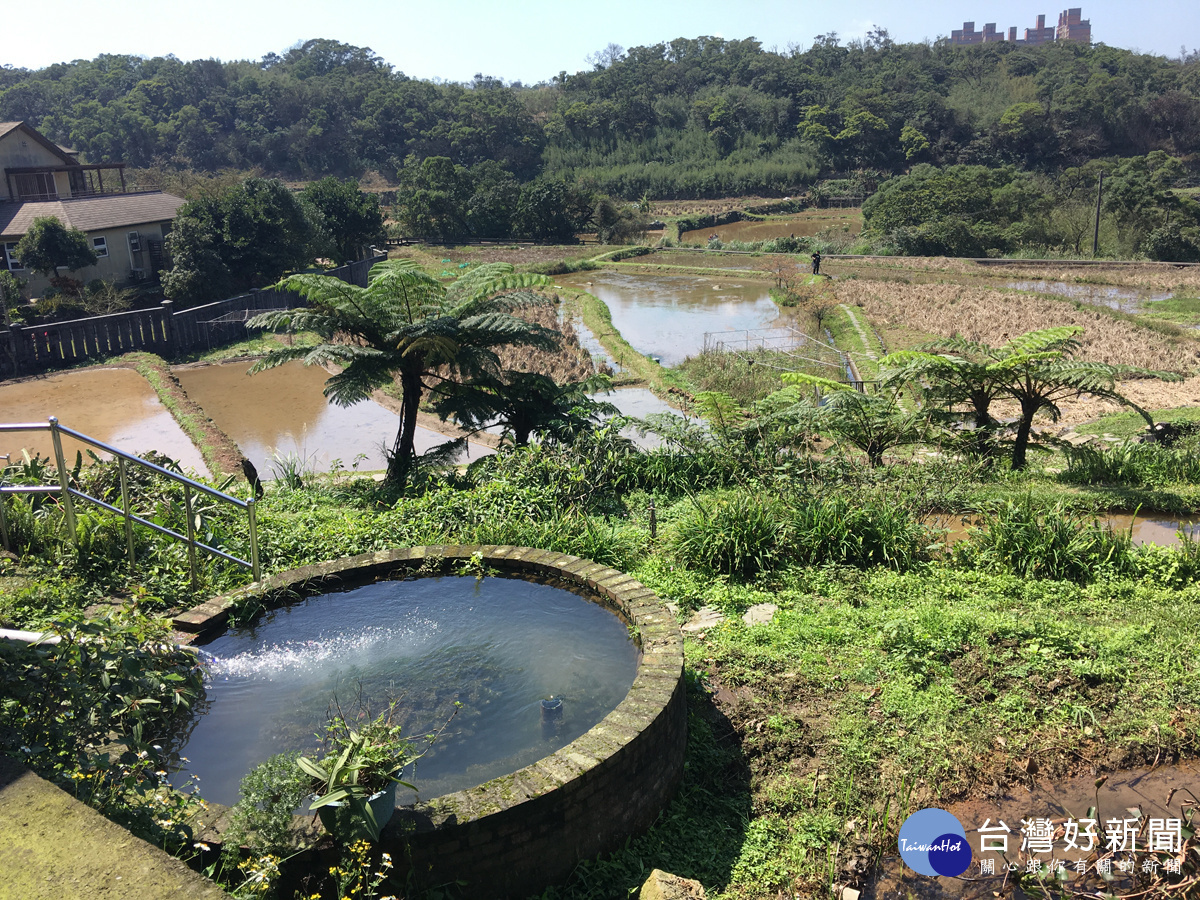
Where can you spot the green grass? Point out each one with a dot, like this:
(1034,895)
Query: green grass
(872,692)
(1127,424)
(219,451)
(860,343)
(1181,311)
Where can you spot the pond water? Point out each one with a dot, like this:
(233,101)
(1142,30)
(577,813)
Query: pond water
(1120,298)
(283,410)
(666,316)
(498,646)
(116,406)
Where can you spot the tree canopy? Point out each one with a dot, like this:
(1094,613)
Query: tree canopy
(49,245)
(690,117)
(407,328)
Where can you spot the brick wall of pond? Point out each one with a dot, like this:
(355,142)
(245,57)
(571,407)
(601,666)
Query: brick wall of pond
(30,350)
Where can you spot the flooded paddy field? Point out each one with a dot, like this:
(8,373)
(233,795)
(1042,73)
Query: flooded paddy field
(115,406)
(283,411)
(667,316)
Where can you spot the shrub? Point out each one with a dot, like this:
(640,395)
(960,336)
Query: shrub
(1031,541)
(575,533)
(732,534)
(862,532)
(1151,464)
(105,676)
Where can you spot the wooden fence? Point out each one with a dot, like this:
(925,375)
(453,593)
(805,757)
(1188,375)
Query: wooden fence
(28,350)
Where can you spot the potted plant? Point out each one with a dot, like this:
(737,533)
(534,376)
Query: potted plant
(354,783)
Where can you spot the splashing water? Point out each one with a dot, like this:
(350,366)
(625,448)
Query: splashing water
(299,656)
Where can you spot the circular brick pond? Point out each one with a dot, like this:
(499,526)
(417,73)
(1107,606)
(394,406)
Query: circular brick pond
(516,834)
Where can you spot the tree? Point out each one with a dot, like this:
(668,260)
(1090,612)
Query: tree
(874,423)
(527,403)
(948,380)
(552,210)
(247,236)
(49,245)
(433,198)
(407,327)
(1036,369)
(265,232)
(618,223)
(197,274)
(913,142)
(350,216)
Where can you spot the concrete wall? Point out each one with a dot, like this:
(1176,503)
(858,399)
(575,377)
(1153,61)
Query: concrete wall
(53,847)
(515,835)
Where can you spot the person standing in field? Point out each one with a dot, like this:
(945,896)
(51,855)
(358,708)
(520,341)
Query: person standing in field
(816,262)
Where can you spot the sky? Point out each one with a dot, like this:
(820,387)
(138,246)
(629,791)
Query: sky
(534,40)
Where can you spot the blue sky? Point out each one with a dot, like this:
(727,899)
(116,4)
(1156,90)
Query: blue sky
(533,40)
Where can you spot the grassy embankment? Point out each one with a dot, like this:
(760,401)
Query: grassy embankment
(221,455)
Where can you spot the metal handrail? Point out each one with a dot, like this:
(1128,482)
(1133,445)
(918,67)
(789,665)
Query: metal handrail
(64,490)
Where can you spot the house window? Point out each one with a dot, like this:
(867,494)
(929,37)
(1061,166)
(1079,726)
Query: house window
(100,245)
(14,264)
(36,186)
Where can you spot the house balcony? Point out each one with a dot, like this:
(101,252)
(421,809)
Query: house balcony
(40,183)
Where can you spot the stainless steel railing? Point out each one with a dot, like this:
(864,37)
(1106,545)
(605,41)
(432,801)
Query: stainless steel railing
(69,494)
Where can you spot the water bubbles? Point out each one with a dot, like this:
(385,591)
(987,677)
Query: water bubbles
(272,660)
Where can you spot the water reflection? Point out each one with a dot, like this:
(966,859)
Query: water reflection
(284,411)
(666,316)
(639,403)
(1158,529)
(1120,298)
(116,406)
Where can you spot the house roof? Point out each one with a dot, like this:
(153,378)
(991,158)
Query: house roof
(91,213)
(61,152)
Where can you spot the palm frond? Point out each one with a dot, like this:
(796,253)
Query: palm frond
(1062,339)
(803,379)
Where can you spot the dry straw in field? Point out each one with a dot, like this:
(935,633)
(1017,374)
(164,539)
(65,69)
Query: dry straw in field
(1149,276)
(993,317)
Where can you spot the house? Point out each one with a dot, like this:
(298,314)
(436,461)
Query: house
(40,178)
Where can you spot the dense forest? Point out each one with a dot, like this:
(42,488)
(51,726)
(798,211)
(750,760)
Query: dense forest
(689,118)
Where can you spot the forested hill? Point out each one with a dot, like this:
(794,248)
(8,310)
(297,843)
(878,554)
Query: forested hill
(701,117)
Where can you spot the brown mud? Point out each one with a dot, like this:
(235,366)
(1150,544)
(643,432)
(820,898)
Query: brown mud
(113,405)
(1159,792)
